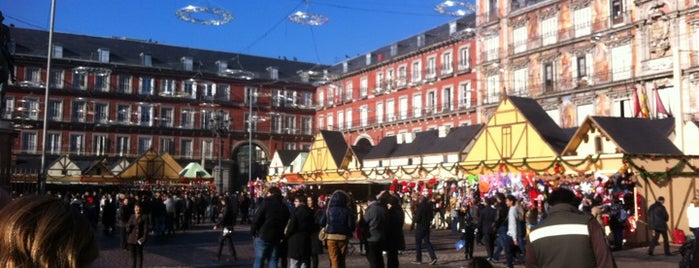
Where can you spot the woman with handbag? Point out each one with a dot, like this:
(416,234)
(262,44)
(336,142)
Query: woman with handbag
(339,223)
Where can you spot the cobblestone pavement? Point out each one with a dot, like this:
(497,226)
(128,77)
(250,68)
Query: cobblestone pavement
(197,248)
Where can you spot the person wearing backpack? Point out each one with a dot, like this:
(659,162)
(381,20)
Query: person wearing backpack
(657,221)
(617,223)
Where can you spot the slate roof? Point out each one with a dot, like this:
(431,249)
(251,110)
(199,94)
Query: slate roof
(549,131)
(406,46)
(288,156)
(123,51)
(426,142)
(336,145)
(639,135)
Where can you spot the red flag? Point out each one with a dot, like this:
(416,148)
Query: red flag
(636,103)
(659,107)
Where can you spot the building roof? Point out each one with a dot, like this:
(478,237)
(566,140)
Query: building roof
(124,51)
(426,142)
(549,131)
(639,135)
(336,145)
(288,156)
(409,45)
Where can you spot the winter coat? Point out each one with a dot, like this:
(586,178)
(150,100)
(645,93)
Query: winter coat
(375,218)
(299,230)
(270,220)
(137,229)
(395,219)
(423,216)
(338,216)
(658,217)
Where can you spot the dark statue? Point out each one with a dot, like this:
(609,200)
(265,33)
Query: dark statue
(7,72)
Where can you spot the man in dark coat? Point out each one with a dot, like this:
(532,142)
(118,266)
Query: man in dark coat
(395,219)
(268,228)
(298,233)
(125,212)
(485,224)
(423,219)
(657,221)
(375,217)
(226,223)
(109,214)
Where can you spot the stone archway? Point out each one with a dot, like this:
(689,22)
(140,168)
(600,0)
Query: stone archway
(259,162)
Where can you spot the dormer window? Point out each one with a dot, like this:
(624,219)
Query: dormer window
(57,51)
(344,67)
(394,49)
(187,63)
(146,60)
(367,59)
(420,40)
(452,27)
(222,66)
(103,54)
(273,72)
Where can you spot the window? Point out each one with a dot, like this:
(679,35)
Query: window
(452,27)
(421,40)
(521,80)
(363,86)
(349,120)
(33,75)
(416,72)
(189,89)
(187,63)
(464,58)
(345,67)
(273,73)
(57,52)
(124,85)
(617,11)
(492,48)
(390,110)
(549,29)
(402,76)
(447,63)
(465,92)
(223,92)
(122,145)
(222,66)
(340,120)
(331,122)
(145,115)
(102,83)
(207,148)
(290,124)
(103,55)
(29,142)
(79,111)
(167,145)
(431,68)
(403,107)
(77,144)
(80,80)
(519,39)
(621,62)
(581,66)
(367,59)
(101,113)
(492,89)
(389,79)
(363,115)
(548,77)
(146,85)
(208,91)
(167,117)
(492,10)
(447,99)
(144,143)
(100,144)
(431,102)
(394,50)
(53,143)
(57,78)
(349,91)
(583,21)
(146,60)
(30,108)
(187,118)
(123,114)
(55,110)
(417,105)
(307,125)
(168,87)
(250,95)
(379,82)
(379,113)
(187,148)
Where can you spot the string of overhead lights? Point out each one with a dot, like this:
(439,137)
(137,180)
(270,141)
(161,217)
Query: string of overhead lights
(190,13)
(455,8)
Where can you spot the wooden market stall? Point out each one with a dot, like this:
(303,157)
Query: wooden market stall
(151,168)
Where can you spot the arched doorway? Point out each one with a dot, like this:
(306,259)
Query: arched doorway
(246,168)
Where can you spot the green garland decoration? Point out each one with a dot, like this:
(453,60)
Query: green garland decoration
(659,176)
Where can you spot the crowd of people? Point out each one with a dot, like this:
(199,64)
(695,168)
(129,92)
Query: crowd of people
(286,226)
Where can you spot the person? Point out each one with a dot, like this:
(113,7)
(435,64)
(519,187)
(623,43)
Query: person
(125,212)
(693,217)
(298,234)
(468,230)
(567,237)
(43,231)
(360,231)
(395,239)
(500,226)
(137,229)
(423,219)
(488,213)
(109,209)
(513,230)
(226,224)
(245,209)
(375,217)
(657,221)
(316,244)
(267,228)
(339,222)
(617,223)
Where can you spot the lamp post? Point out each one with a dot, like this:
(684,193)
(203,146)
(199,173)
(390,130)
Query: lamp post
(41,182)
(220,125)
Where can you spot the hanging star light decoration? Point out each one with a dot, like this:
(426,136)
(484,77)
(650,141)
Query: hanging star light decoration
(305,18)
(455,8)
(190,14)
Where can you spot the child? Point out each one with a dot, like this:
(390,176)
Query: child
(468,231)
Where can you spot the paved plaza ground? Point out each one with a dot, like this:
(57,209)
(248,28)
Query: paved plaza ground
(198,246)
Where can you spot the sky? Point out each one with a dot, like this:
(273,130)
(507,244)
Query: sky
(259,27)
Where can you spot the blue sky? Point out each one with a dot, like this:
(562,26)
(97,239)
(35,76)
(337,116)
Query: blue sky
(259,27)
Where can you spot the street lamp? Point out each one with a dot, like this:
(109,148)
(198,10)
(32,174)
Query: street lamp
(219,125)
(252,119)
(41,183)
